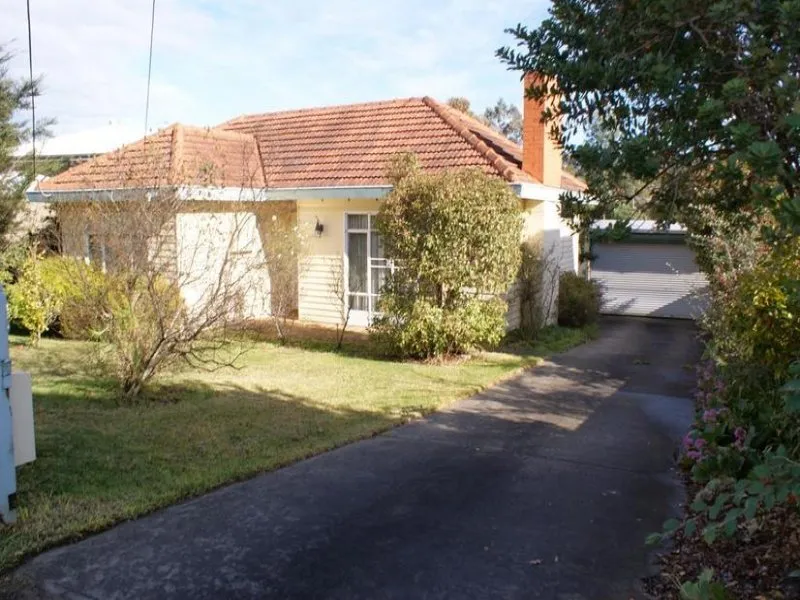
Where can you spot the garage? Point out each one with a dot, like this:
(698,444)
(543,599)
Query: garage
(650,273)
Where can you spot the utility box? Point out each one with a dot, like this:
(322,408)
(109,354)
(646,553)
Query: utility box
(21,397)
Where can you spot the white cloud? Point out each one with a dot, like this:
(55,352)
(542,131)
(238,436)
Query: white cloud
(217,59)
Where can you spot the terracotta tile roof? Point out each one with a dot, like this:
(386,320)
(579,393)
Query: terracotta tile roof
(351,144)
(334,146)
(176,155)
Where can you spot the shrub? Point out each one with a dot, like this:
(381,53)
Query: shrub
(135,305)
(744,444)
(754,325)
(421,329)
(454,238)
(579,300)
(42,288)
(536,288)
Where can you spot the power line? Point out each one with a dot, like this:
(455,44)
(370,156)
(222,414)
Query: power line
(33,90)
(149,67)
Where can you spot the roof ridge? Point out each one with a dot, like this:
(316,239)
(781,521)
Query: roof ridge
(481,125)
(176,155)
(111,156)
(319,109)
(261,163)
(216,131)
(492,157)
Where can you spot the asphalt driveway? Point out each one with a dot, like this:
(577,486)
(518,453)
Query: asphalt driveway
(542,487)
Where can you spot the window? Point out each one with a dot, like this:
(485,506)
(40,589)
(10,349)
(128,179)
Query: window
(95,251)
(367,266)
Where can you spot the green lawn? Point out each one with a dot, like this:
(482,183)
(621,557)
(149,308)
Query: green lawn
(100,462)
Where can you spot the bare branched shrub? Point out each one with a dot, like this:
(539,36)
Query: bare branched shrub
(537,287)
(156,297)
(171,271)
(285,245)
(339,296)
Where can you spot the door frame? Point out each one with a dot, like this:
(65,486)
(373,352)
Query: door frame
(358,318)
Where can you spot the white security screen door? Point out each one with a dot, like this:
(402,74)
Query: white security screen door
(366,267)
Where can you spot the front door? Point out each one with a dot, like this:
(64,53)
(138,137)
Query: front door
(366,267)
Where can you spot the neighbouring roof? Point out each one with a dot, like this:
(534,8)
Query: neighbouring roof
(176,155)
(88,142)
(334,146)
(642,226)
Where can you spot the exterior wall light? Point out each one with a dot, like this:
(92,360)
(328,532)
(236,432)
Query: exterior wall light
(318,228)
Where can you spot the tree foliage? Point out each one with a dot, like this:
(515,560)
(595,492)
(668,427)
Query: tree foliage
(505,118)
(15,129)
(461,104)
(697,103)
(700,100)
(454,237)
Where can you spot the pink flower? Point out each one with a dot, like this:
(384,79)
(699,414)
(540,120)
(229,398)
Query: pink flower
(699,443)
(694,455)
(711,415)
(740,435)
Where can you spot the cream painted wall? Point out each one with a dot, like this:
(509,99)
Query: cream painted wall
(197,246)
(321,272)
(207,243)
(319,300)
(542,223)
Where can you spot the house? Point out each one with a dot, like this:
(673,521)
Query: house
(322,168)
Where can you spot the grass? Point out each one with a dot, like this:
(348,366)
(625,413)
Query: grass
(100,462)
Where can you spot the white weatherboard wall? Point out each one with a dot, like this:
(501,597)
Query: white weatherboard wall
(648,279)
(322,270)
(203,240)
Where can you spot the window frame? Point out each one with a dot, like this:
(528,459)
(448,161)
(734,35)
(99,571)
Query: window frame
(98,241)
(372,298)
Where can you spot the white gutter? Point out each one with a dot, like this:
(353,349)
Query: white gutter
(217,194)
(537,191)
(526,191)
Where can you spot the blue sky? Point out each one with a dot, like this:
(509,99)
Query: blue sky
(216,59)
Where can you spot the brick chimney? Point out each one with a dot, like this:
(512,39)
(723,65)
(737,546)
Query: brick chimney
(541,156)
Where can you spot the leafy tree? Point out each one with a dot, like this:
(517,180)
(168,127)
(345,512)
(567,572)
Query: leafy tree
(15,129)
(505,118)
(454,237)
(461,104)
(700,100)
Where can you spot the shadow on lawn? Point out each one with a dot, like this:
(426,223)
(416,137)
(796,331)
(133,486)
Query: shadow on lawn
(216,434)
(99,466)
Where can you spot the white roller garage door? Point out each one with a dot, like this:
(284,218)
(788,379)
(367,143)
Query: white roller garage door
(650,279)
